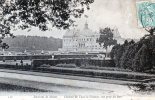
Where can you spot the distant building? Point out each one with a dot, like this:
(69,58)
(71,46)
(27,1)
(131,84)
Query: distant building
(83,41)
(118,37)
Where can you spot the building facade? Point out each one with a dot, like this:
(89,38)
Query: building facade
(82,41)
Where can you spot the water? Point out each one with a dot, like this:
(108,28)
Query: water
(67,86)
(109,89)
(15,88)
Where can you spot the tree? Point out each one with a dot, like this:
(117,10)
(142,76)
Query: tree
(106,38)
(121,54)
(116,54)
(139,56)
(135,56)
(24,14)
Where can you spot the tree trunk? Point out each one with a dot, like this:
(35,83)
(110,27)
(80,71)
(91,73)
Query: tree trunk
(106,52)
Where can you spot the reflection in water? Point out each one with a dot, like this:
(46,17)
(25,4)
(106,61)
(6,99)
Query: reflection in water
(107,89)
(11,88)
(142,87)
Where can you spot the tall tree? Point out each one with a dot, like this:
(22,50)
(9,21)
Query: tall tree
(106,38)
(23,14)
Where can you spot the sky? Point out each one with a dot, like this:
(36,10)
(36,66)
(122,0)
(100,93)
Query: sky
(119,14)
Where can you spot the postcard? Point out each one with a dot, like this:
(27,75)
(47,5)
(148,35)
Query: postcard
(77,49)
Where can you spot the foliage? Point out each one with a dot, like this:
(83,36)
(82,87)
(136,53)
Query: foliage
(20,43)
(135,56)
(44,14)
(40,12)
(106,37)
(118,50)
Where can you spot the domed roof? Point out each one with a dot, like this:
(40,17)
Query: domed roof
(71,33)
(74,32)
(87,32)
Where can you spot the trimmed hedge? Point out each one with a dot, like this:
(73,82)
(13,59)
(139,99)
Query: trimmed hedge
(97,73)
(18,67)
(78,62)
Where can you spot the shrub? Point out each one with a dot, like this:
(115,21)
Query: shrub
(135,56)
(66,65)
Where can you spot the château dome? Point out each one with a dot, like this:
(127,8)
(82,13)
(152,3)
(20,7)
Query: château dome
(75,32)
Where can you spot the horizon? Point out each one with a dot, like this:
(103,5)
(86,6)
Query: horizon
(61,38)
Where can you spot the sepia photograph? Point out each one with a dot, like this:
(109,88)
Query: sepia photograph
(77,49)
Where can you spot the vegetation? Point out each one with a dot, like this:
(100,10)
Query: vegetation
(138,56)
(22,43)
(106,38)
(44,14)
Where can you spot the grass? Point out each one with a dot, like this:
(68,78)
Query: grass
(104,68)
